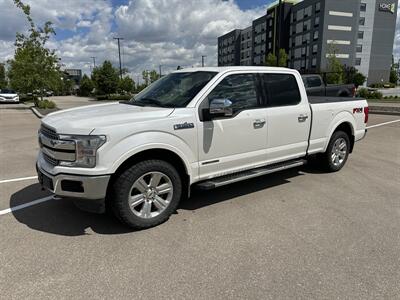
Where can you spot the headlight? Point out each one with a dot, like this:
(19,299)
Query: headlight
(86,150)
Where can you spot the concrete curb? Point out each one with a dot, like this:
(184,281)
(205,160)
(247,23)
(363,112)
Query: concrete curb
(387,110)
(36,112)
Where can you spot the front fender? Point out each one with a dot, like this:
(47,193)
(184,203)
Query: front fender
(136,143)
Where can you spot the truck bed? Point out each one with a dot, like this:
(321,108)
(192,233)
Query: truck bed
(325,99)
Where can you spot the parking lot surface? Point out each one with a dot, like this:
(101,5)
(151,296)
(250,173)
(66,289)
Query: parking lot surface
(297,234)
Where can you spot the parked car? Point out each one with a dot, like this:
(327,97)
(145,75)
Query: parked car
(9,95)
(315,86)
(200,127)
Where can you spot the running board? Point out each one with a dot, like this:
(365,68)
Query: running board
(231,178)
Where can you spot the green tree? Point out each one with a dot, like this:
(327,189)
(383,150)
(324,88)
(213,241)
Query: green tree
(352,76)
(86,86)
(126,84)
(105,78)
(394,77)
(34,66)
(154,76)
(3,80)
(271,59)
(146,77)
(334,68)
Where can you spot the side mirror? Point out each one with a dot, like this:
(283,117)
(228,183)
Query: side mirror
(220,108)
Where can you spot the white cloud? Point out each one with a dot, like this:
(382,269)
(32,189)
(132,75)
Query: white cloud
(166,32)
(396,47)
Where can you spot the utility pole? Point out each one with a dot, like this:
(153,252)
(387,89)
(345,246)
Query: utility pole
(202,60)
(119,55)
(160,70)
(94,61)
(278,29)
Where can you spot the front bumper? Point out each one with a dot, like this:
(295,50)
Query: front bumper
(74,186)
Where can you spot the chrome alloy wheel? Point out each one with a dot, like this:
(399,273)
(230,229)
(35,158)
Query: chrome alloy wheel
(150,195)
(339,152)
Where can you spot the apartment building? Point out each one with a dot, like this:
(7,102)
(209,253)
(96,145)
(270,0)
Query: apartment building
(359,33)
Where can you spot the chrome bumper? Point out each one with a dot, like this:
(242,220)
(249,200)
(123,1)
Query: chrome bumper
(74,186)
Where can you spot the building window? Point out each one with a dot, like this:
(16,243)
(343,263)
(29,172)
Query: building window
(315,48)
(359,48)
(300,14)
(317,7)
(270,22)
(316,22)
(314,62)
(362,21)
(270,34)
(307,11)
(358,61)
(363,7)
(269,45)
(361,35)
(316,35)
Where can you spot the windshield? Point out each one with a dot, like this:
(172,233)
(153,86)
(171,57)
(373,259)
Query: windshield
(7,91)
(173,90)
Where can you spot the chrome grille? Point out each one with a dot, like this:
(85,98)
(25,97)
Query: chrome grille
(50,160)
(49,133)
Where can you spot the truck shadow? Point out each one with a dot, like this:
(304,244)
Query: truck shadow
(201,199)
(61,217)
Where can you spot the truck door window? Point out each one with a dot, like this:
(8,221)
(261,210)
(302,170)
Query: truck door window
(240,89)
(314,81)
(281,90)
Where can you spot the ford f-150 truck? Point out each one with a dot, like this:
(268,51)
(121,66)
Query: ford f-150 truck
(203,127)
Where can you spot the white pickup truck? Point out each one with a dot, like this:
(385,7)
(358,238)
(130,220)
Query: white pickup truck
(204,127)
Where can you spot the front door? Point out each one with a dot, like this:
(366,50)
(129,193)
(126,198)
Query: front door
(234,143)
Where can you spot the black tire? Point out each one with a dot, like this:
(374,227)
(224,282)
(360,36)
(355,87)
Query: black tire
(122,186)
(326,160)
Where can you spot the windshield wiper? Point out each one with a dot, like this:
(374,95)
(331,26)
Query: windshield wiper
(149,101)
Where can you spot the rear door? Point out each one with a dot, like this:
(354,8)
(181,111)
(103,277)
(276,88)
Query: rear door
(288,115)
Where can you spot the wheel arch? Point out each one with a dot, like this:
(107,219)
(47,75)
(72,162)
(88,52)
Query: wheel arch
(346,127)
(155,153)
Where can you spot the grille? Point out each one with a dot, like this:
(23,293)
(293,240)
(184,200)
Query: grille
(50,160)
(49,133)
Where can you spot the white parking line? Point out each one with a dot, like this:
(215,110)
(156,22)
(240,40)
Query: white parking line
(382,124)
(18,179)
(18,207)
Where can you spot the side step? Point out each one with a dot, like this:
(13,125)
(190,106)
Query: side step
(235,177)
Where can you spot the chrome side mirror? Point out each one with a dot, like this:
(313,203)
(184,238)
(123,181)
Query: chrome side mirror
(221,108)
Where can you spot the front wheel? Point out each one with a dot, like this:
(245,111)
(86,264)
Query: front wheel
(146,194)
(337,152)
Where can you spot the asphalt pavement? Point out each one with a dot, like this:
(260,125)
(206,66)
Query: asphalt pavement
(296,234)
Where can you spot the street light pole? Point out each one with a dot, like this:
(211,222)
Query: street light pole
(160,70)
(278,29)
(94,61)
(119,55)
(202,60)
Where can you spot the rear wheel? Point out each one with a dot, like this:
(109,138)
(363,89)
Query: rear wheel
(146,194)
(337,152)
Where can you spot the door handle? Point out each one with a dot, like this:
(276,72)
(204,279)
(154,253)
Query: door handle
(302,118)
(259,123)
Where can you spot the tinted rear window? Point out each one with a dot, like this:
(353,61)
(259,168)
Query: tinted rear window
(281,89)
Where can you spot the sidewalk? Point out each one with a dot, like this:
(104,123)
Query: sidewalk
(384,107)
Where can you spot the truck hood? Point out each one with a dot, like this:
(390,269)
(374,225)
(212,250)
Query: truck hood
(83,120)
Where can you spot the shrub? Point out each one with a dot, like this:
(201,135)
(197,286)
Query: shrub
(364,93)
(46,104)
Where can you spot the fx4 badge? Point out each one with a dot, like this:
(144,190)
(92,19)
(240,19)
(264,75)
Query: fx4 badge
(357,110)
(185,125)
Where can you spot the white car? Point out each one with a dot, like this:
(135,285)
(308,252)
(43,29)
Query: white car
(8,95)
(204,127)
